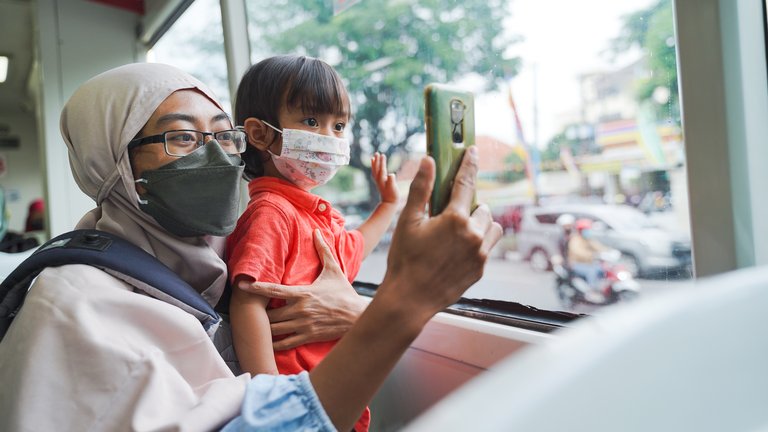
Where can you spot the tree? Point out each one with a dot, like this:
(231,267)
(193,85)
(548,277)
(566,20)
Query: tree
(578,138)
(516,169)
(651,29)
(386,51)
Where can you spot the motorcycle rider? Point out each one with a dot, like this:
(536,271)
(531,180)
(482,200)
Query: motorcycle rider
(583,252)
(565,221)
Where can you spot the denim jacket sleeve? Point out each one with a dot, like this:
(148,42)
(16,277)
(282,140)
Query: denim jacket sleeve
(281,403)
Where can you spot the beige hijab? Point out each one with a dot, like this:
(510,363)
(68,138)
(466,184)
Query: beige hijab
(97,123)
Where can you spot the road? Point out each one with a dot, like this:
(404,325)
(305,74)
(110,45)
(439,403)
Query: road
(511,279)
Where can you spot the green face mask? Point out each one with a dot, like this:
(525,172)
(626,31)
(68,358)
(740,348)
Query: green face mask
(195,195)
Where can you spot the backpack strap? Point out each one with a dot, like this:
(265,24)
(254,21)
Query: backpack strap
(114,255)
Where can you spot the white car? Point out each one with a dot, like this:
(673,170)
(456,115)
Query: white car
(646,248)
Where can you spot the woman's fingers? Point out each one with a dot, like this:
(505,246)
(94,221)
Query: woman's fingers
(493,235)
(323,251)
(290,342)
(481,218)
(421,188)
(272,290)
(284,313)
(284,327)
(483,223)
(464,184)
(325,254)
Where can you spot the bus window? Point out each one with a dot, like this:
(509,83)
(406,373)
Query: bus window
(195,44)
(576,112)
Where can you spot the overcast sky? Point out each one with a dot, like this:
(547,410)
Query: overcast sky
(562,38)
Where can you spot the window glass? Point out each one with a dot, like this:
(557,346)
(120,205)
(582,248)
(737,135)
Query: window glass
(576,113)
(195,44)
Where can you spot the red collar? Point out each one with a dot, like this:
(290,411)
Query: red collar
(297,196)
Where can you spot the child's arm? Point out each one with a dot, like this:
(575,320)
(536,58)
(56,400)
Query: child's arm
(376,224)
(251,334)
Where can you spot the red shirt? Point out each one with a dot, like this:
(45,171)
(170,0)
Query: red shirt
(273,242)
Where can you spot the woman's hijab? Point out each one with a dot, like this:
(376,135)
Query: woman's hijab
(97,123)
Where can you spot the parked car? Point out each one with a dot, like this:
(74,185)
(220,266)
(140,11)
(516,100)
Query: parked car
(647,250)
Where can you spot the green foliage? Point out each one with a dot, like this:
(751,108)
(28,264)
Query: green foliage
(343,187)
(514,160)
(386,51)
(652,30)
(552,151)
(344,180)
(561,140)
(516,170)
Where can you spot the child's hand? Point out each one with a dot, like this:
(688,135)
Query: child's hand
(384,182)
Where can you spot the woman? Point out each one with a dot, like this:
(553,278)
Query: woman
(88,353)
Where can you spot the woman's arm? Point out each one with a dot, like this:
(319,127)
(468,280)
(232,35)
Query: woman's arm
(422,278)
(251,336)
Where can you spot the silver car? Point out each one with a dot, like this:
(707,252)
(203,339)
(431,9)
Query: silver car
(646,249)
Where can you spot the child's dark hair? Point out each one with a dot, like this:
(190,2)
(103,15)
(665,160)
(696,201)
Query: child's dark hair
(296,81)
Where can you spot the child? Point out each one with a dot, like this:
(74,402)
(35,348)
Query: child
(294,110)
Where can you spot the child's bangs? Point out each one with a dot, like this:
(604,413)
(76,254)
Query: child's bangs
(317,89)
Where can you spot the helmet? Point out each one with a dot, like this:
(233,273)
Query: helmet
(565,220)
(583,224)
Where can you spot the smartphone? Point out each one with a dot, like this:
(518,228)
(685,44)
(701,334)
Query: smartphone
(450,121)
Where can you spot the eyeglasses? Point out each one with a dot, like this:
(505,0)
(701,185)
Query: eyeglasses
(184,142)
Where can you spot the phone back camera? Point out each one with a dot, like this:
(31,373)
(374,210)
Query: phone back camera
(457,111)
(457,121)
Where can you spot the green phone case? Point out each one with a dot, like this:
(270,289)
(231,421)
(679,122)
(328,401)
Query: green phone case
(440,141)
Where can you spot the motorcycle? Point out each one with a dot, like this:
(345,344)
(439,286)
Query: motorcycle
(616,284)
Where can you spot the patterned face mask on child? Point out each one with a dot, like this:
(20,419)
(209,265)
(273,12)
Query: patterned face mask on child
(309,159)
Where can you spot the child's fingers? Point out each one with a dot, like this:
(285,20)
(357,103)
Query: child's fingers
(382,168)
(375,167)
(383,161)
(380,173)
(268,289)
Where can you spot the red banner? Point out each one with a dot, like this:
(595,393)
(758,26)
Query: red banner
(136,6)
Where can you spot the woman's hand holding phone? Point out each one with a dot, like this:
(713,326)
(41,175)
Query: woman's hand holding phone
(445,254)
